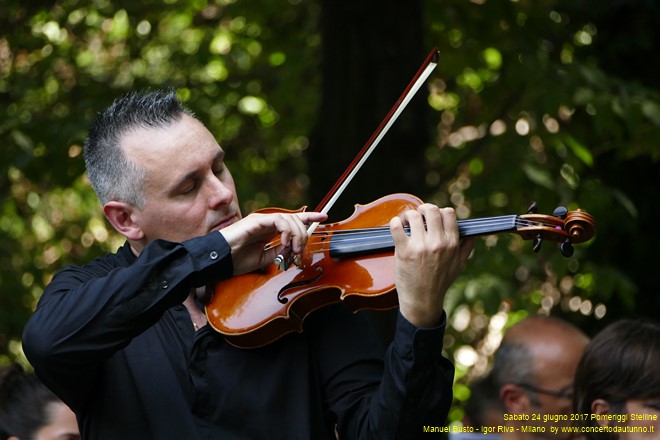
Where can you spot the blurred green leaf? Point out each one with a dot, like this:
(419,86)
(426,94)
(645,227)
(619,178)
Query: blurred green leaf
(579,150)
(538,175)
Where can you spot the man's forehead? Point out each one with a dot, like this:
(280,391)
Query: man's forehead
(140,140)
(183,137)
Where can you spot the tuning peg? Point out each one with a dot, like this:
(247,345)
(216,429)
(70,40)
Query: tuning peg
(533,208)
(566,248)
(536,243)
(560,212)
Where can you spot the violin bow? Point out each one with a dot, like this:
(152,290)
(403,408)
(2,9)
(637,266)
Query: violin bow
(283,260)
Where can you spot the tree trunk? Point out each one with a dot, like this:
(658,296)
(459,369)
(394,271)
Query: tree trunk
(371,51)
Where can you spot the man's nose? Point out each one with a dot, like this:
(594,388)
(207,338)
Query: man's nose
(219,193)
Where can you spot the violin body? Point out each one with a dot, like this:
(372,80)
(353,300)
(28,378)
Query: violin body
(352,261)
(255,309)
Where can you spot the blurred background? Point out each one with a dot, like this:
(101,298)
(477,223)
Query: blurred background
(548,101)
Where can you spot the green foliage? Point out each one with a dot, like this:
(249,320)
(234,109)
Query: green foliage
(528,109)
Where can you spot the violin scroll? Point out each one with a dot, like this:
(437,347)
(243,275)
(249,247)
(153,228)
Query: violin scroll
(564,227)
(580,226)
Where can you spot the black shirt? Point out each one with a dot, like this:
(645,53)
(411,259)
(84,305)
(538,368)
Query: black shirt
(112,339)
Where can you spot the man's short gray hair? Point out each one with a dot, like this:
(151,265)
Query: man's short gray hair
(112,174)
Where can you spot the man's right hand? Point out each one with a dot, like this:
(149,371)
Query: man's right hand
(249,236)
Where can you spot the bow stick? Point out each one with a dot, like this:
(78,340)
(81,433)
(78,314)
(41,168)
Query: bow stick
(283,260)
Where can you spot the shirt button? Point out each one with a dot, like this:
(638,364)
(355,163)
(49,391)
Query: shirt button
(213,255)
(164,285)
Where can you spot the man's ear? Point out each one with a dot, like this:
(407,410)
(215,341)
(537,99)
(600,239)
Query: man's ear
(514,399)
(600,407)
(120,216)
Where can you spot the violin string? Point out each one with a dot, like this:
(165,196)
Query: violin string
(381,235)
(480,225)
(476,226)
(463,224)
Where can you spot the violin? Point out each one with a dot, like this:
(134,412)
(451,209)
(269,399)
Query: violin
(352,261)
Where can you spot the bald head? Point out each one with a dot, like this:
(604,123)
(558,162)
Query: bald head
(539,327)
(547,337)
(534,348)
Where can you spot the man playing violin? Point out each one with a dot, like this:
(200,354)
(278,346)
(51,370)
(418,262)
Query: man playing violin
(123,339)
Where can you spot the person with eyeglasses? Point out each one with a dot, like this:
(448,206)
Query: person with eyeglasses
(617,384)
(533,371)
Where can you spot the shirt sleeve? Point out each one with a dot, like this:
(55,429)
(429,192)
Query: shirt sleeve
(88,313)
(421,378)
(392,397)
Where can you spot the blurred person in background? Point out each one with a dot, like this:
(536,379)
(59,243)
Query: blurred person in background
(482,410)
(617,383)
(533,370)
(30,411)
